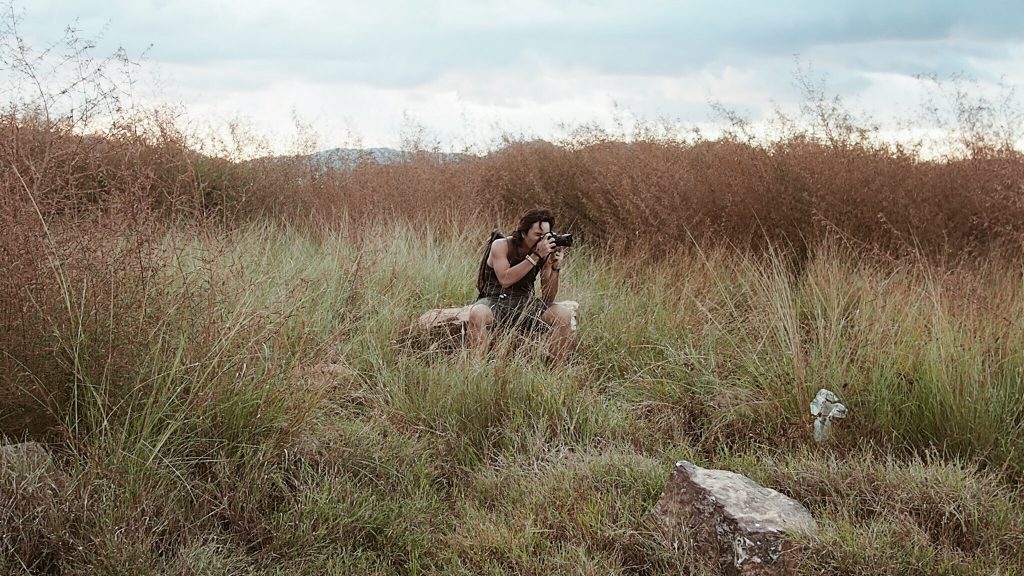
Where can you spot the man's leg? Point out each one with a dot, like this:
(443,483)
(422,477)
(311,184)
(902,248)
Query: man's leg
(559,318)
(480,320)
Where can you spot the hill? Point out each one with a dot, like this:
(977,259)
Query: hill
(350,158)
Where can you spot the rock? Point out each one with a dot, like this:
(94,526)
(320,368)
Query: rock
(24,457)
(335,369)
(437,329)
(446,327)
(825,408)
(731,518)
(450,320)
(453,320)
(28,463)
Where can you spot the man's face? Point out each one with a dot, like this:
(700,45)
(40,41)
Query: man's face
(537,231)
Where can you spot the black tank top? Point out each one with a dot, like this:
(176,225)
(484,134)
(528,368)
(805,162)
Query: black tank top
(524,287)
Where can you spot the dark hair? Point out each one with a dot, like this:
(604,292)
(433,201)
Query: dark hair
(527,220)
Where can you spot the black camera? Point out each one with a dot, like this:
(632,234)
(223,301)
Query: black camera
(561,239)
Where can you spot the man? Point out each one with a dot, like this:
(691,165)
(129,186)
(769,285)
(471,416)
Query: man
(506,281)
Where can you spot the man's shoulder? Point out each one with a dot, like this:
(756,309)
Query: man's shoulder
(501,250)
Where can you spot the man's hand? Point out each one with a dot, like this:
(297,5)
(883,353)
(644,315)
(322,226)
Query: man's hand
(544,246)
(558,258)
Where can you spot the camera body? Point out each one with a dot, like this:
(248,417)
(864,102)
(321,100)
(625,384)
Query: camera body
(561,240)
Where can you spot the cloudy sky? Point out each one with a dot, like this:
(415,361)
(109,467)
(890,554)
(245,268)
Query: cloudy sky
(461,73)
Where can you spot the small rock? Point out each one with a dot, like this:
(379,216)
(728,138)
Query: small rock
(338,369)
(28,463)
(730,517)
(825,408)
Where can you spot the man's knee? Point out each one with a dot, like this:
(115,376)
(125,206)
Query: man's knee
(481,315)
(558,316)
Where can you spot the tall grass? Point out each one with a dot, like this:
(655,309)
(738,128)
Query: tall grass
(216,351)
(271,418)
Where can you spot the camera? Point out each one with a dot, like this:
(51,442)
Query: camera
(561,240)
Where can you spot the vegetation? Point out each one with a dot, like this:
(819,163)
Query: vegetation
(214,351)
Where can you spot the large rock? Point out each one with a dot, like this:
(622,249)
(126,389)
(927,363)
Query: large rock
(446,327)
(454,319)
(731,518)
(447,320)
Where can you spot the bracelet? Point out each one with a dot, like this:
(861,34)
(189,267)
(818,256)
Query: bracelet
(532,261)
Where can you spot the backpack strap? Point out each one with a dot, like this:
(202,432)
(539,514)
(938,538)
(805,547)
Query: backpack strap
(496,234)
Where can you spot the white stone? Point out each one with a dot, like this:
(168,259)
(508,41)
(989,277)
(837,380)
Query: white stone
(825,408)
(731,517)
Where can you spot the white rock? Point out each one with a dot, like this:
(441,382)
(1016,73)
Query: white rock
(825,408)
(733,519)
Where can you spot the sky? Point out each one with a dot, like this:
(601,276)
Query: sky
(461,74)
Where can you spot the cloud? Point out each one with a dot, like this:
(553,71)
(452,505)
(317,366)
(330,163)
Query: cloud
(397,43)
(536,62)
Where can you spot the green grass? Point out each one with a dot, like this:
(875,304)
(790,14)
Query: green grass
(251,405)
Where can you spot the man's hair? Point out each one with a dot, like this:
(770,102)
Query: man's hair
(527,220)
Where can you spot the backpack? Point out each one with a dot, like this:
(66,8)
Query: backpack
(496,234)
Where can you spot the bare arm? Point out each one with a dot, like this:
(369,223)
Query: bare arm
(507,274)
(549,276)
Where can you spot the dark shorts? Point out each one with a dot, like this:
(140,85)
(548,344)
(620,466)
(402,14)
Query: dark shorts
(519,312)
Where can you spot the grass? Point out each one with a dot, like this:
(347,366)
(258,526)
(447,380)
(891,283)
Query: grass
(271,420)
(216,352)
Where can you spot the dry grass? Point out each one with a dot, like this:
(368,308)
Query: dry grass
(165,314)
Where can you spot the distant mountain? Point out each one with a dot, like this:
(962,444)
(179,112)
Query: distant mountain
(347,158)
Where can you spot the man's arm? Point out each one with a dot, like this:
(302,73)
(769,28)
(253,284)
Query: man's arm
(498,259)
(550,274)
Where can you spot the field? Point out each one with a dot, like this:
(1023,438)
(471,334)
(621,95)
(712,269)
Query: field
(215,352)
